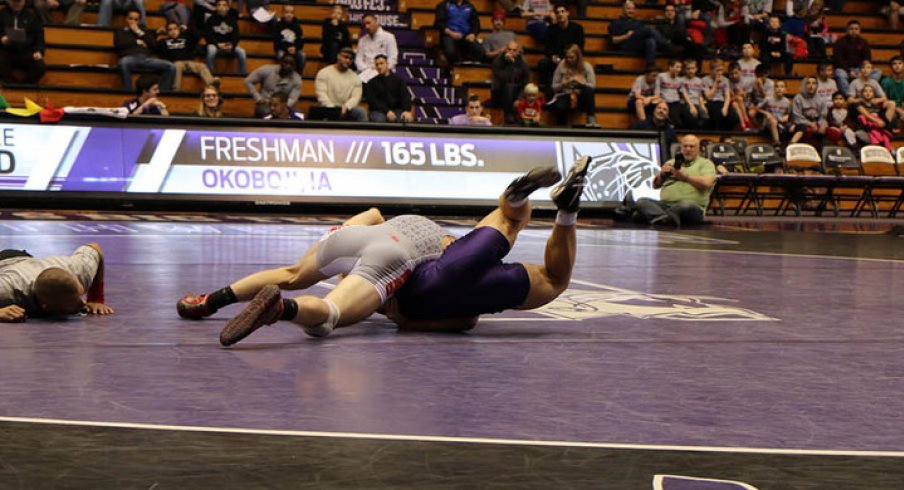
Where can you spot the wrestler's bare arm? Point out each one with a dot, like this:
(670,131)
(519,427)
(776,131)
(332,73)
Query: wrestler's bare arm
(371,217)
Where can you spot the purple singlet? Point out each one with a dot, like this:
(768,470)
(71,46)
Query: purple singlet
(469,279)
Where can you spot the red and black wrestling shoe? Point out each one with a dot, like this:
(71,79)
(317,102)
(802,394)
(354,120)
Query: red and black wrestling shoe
(264,309)
(194,307)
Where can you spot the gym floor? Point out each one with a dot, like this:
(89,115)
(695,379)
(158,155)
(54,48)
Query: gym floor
(734,355)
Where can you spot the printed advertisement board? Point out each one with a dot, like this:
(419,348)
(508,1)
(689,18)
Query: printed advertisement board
(310,163)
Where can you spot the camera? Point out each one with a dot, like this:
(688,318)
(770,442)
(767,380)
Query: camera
(678,162)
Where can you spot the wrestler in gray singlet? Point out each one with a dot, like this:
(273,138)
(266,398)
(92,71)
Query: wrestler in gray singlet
(383,254)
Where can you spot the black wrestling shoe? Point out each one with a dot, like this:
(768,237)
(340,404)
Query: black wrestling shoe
(264,309)
(539,177)
(567,195)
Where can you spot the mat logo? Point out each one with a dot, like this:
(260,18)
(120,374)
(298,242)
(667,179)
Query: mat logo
(580,304)
(674,482)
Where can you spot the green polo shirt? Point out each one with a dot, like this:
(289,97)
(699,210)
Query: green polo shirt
(893,90)
(675,190)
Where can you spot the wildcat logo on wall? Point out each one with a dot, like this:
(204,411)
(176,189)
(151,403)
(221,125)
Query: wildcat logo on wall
(603,301)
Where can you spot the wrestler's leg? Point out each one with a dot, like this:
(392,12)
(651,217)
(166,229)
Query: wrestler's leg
(514,209)
(354,297)
(549,280)
(300,275)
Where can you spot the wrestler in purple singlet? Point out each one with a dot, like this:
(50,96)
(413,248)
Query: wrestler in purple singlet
(469,279)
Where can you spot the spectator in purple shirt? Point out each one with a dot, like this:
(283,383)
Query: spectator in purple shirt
(473,116)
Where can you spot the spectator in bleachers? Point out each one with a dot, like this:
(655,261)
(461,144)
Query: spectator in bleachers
(221,31)
(337,85)
(809,113)
(539,15)
(774,46)
(686,187)
(134,45)
(634,36)
(73,12)
(105,11)
(893,85)
(841,122)
(510,74)
(692,93)
(494,43)
(280,108)
(857,84)
(738,94)
(458,24)
(825,83)
(21,43)
(748,64)
(849,52)
(659,120)
(818,37)
(855,91)
(334,34)
(730,30)
(274,78)
(147,102)
(375,41)
(776,110)
(211,103)
(529,106)
(872,119)
(288,38)
(388,99)
(722,114)
(177,45)
(763,89)
(473,115)
(891,8)
(668,88)
(574,83)
(674,30)
(176,11)
(562,34)
(642,97)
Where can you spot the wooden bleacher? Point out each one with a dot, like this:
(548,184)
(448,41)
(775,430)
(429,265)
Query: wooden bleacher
(82,63)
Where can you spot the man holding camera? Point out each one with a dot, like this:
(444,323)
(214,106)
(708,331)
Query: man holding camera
(686,182)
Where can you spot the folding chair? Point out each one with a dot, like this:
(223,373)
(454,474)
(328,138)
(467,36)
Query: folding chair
(849,184)
(732,186)
(804,164)
(764,159)
(887,189)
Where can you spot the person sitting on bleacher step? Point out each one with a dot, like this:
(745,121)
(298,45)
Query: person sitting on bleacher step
(458,24)
(373,42)
(334,34)
(809,113)
(339,87)
(510,74)
(222,35)
(274,78)
(177,44)
(146,103)
(387,96)
(634,36)
(494,43)
(559,37)
(21,43)
(134,46)
(288,38)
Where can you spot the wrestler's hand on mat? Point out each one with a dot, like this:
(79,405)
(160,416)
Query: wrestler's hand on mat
(12,313)
(98,309)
